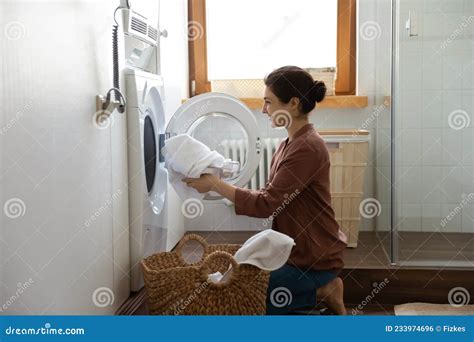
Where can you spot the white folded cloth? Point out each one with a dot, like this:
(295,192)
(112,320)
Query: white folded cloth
(188,157)
(268,250)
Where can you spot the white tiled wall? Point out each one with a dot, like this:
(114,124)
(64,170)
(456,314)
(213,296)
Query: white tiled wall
(434,162)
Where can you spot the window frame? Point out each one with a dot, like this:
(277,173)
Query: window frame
(345,83)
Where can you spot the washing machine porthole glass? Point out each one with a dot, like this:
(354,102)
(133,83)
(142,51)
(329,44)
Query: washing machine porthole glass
(149,150)
(222,133)
(224,124)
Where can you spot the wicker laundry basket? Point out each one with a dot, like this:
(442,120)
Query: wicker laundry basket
(177,288)
(348,151)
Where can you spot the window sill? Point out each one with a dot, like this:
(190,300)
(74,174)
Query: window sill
(339,101)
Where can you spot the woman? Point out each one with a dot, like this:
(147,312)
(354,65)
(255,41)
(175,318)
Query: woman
(297,196)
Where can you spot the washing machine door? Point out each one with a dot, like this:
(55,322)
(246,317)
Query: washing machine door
(152,113)
(225,125)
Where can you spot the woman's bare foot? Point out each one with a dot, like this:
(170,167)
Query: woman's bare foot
(332,294)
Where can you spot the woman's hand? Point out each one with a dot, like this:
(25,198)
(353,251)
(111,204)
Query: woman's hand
(205,183)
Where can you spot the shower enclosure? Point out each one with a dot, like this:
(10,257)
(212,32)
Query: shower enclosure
(425,133)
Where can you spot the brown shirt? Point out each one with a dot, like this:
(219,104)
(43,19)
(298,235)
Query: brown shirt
(297,196)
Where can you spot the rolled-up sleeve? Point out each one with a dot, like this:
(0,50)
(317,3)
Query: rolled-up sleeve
(294,173)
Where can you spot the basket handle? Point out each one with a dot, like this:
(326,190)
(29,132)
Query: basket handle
(228,278)
(187,238)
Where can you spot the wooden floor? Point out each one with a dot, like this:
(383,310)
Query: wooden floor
(368,266)
(440,248)
(369,253)
(373,248)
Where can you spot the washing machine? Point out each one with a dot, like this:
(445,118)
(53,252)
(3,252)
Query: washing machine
(212,118)
(217,120)
(148,178)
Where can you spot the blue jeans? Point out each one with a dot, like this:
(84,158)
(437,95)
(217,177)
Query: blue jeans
(290,288)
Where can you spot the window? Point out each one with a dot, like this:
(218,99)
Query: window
(245,39)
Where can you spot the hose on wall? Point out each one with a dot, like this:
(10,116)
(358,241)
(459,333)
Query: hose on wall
(119,97)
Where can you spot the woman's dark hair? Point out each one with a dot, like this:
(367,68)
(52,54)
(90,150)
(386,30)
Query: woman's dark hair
(290,81)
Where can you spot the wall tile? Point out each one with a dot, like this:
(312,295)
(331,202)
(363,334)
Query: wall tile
(432,6)
(409,143)
(411,214)
(409,181)
(412,103)
(431,141)
(432,72)
(432,109)
(453,71)
(431,177)
(467,219)
(452,184)
(430,219)
(451,147)
(452,218)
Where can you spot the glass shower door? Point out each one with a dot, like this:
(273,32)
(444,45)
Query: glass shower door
(433,133)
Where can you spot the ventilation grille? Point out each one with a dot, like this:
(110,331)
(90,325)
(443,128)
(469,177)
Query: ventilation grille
(139,26)
(152,33)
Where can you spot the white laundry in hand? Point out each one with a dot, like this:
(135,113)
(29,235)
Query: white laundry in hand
(188,157)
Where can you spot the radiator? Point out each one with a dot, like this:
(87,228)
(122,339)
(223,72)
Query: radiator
(236,149)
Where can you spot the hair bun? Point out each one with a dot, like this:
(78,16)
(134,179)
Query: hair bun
(318,91)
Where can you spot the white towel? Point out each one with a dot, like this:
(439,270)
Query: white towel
(188,157)
(268,250)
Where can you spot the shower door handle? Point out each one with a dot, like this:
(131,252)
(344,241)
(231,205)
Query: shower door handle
(411,25)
